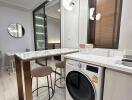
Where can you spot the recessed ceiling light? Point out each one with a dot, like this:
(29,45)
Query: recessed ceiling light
(59,10)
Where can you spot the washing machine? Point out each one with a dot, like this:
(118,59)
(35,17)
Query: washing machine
(83,81)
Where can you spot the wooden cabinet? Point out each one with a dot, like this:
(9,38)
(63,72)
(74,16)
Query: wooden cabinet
(106,29)
(117,86)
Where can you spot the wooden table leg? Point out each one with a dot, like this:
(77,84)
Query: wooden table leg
(27,80)
(19,78)
(12,63)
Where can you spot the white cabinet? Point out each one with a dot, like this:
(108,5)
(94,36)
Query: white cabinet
(117,86)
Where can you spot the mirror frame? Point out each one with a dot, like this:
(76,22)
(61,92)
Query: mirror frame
(14,36)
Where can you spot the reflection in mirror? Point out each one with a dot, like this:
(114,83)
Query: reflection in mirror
(16,30)
(52,11)
(40,31)
(104,23)
(47,22)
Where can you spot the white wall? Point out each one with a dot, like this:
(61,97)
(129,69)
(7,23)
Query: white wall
(72,34)
(70,27)
(53,26)
(8,43)
(83,21)
(74,24)
(125,41)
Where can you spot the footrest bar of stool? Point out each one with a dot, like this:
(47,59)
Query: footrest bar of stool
(53,92)
(57,73)
(58,80)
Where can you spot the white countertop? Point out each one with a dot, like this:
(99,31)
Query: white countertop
(32,55)
(10,53)
(113,63)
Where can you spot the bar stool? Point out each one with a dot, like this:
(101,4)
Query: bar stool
(43,72)
(61,66)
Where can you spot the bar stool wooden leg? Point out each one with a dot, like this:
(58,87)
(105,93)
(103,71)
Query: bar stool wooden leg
(61,75)
(48,87)
(51,84)
(55,79)
(37,85)
(51,81)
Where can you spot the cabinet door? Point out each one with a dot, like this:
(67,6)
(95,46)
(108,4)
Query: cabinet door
(106,26)
(118,86)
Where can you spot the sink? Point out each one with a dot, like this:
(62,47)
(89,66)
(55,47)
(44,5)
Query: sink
(120,62)
(127,62)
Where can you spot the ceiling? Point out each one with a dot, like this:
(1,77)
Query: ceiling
(27,4)
(51,7)
(52,11)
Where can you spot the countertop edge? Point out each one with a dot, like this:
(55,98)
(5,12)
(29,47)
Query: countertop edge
(40,57)
(124,69)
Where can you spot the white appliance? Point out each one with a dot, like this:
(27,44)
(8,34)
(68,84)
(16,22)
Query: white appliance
(83,81)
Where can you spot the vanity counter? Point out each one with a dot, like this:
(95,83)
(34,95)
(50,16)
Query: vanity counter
(107,62)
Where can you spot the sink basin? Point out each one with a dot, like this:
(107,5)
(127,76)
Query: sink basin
(120,62)
(126,63)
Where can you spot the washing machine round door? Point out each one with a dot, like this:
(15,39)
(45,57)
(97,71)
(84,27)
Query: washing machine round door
(79,86)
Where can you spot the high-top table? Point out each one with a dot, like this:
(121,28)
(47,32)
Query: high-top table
(23,71)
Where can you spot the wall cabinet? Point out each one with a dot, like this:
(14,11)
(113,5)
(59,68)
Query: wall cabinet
(105,30)
(118,86)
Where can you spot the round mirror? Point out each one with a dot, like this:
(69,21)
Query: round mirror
(16,30)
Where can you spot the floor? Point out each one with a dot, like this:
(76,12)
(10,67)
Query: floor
(8,86)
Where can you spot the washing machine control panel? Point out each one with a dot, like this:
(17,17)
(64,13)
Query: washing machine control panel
(92,68)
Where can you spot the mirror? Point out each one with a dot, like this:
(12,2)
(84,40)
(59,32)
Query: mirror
(104,24)
(53,13)
(47,27)
(16,30)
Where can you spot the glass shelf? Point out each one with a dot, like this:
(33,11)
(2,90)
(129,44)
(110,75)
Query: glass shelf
(38,17)
(39,25)
(39,33)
